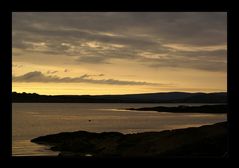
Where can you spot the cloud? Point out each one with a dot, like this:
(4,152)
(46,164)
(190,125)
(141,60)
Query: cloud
(99,37)
(51,72)
(17,66)
(186,27)
(86,75)
(92,59)
(37,76)
(200,63)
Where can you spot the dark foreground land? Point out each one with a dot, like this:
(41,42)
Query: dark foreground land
(204,141)
(214,109)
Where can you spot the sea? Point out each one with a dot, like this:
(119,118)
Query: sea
(31,120)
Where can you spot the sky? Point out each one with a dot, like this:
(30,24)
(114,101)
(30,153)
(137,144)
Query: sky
(92,53)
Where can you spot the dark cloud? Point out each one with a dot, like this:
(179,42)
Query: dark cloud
(51,72)
(192,27)
(86,75)
(92,59)
(37,76)
(203,63)
(218,54)
(99,37)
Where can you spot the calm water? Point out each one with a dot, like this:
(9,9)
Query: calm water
(31,120)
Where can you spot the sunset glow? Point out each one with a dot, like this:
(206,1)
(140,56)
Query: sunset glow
(119,52)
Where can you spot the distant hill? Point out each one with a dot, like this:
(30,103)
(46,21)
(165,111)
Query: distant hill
(165,97)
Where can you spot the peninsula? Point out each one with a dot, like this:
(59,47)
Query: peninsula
(204,141)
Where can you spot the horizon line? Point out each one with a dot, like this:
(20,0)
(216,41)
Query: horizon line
(117,94)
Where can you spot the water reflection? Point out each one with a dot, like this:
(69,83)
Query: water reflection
(31,120)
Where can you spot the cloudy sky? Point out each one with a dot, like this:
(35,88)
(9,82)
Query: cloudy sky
(119,52)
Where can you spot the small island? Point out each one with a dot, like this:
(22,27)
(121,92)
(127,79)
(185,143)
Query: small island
(204,141)
(213,109)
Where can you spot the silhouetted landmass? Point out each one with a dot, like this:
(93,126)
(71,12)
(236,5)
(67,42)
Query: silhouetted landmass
(170,97)
(216,109)
(204,141)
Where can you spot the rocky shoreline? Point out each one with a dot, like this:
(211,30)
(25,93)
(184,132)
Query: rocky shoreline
(204,141)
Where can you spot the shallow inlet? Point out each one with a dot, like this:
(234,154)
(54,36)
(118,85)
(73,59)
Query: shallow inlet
(27,148)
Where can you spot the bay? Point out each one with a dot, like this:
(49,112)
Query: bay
(31,120)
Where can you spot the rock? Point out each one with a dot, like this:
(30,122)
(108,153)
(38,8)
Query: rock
(209,140)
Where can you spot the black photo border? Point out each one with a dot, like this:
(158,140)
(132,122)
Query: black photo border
(41,6)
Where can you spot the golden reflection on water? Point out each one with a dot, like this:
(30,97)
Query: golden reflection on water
(31,120)
(26,148)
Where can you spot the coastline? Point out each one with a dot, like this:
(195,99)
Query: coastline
(212,109)
(203,141)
